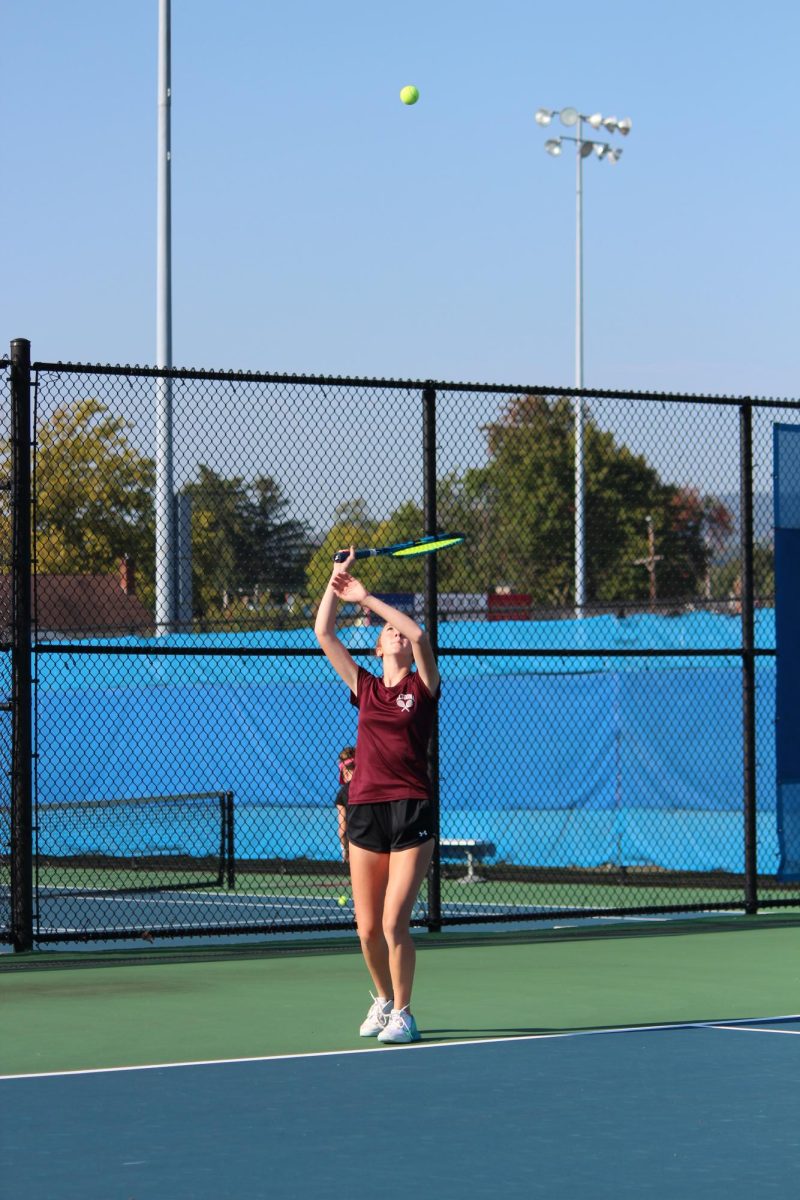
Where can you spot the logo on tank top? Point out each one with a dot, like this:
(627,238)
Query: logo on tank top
(406,702)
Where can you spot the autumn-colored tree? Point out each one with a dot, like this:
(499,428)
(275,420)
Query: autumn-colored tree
(94,492)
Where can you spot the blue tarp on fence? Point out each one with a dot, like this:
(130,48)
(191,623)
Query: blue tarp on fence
(557,761)
(787,631)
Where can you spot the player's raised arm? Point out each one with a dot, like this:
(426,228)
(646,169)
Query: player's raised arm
(347,587)
(325,629)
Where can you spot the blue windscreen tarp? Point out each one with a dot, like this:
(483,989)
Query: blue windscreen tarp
(786,446)
(579,761)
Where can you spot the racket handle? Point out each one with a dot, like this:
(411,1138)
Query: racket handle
(341,555)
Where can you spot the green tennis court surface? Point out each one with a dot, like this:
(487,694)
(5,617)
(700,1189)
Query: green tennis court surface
(157,1003)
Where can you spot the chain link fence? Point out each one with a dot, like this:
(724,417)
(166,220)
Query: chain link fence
(604,635)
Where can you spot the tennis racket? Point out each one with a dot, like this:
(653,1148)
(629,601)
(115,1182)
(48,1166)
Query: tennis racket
(423,545)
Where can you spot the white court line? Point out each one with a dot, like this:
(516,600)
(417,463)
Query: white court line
(419,1046)
(756,1029)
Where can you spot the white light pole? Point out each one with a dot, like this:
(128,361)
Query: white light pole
(603,150)
(164,501)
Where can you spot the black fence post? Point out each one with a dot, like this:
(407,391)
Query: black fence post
(230,840)
(748,659)
(21,651)
(432,629)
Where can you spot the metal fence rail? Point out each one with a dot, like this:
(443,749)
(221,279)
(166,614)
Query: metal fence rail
(612,756)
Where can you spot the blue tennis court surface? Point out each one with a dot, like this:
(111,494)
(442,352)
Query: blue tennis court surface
(703,1110)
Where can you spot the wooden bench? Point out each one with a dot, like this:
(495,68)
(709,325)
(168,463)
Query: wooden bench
(471,849)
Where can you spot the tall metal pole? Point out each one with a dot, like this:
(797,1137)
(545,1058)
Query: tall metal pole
(164,506)
(580,536)
(569,117)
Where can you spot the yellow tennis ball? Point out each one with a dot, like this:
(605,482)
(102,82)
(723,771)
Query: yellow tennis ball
(409,94)
(342,901)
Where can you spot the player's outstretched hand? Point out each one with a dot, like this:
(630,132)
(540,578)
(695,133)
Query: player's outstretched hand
(347,587)
(338,567)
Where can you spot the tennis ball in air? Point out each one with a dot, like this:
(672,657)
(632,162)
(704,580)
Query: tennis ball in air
(409,94)
(342,901)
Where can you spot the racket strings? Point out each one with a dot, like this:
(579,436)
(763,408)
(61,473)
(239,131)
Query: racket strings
(428,547)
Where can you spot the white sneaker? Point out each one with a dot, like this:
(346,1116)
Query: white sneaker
(401,1027)
(377,1018)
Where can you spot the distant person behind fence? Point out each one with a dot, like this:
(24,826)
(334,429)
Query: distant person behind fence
(347,763)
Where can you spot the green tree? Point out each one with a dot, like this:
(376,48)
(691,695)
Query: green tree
(726,579)
(399,574)
(218,515)
(465,504)
(352,526)
(276,547)
(242,541)
(692,528)
(94,492)
(521,504)
(528,486)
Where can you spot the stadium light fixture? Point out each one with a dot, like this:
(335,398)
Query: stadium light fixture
(572,118)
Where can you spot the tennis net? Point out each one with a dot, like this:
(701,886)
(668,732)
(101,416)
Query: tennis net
(142,843)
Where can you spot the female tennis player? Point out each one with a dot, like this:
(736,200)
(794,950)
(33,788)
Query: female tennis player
(389,824)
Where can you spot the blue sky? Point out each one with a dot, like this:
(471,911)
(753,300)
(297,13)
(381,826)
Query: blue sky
(321,226)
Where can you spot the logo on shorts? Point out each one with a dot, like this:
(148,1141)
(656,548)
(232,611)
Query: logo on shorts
(406,702)
(423,833)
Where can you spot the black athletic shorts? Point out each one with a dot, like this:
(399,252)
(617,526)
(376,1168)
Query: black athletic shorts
(389,825)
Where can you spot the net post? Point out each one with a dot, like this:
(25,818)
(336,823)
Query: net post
(230,852)
(432,629)
(748,659)
(21,653)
